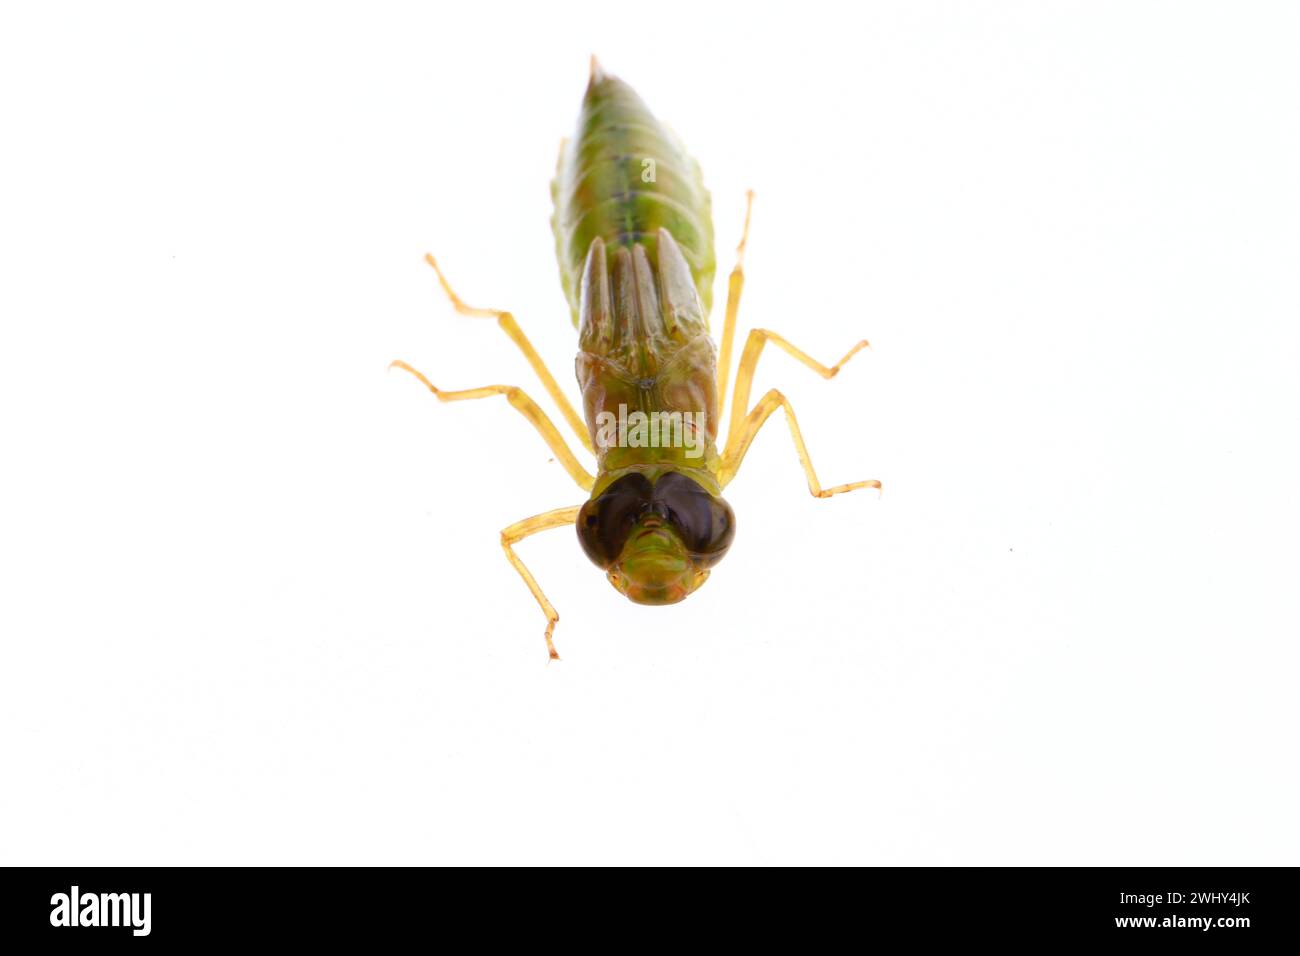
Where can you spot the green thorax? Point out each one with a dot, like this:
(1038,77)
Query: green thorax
(645,355)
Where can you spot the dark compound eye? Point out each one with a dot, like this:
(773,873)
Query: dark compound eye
(706,523)
(606,520)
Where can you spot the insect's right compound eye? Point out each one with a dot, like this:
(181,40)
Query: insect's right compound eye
(605,521)
(705,522)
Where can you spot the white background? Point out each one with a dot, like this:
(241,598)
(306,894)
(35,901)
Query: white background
(254,608)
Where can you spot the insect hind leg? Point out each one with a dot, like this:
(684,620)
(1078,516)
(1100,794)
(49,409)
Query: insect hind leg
(511,328)
(749,364)
(735,286)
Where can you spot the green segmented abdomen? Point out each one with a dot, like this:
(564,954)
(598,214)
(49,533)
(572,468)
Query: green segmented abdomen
(621,179)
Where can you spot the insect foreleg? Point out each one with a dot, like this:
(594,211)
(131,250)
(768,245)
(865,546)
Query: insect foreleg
(738,443)
(522,529)
(519,399)
(749,363)
(735,285)
(511,328)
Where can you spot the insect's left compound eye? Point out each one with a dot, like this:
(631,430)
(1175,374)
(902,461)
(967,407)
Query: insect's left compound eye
(606,520)
(705,522)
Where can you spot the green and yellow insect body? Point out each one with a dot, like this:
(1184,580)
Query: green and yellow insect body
(635,243)
(634,238)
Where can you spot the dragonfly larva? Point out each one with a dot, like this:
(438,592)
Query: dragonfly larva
(634,237)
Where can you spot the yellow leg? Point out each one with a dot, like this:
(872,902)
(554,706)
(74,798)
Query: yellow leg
(522,529)
(511,328)
(738,443)
(749,362)
(735,285)
(528,408)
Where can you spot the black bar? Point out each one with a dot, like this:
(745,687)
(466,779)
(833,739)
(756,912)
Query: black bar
(1221,907)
